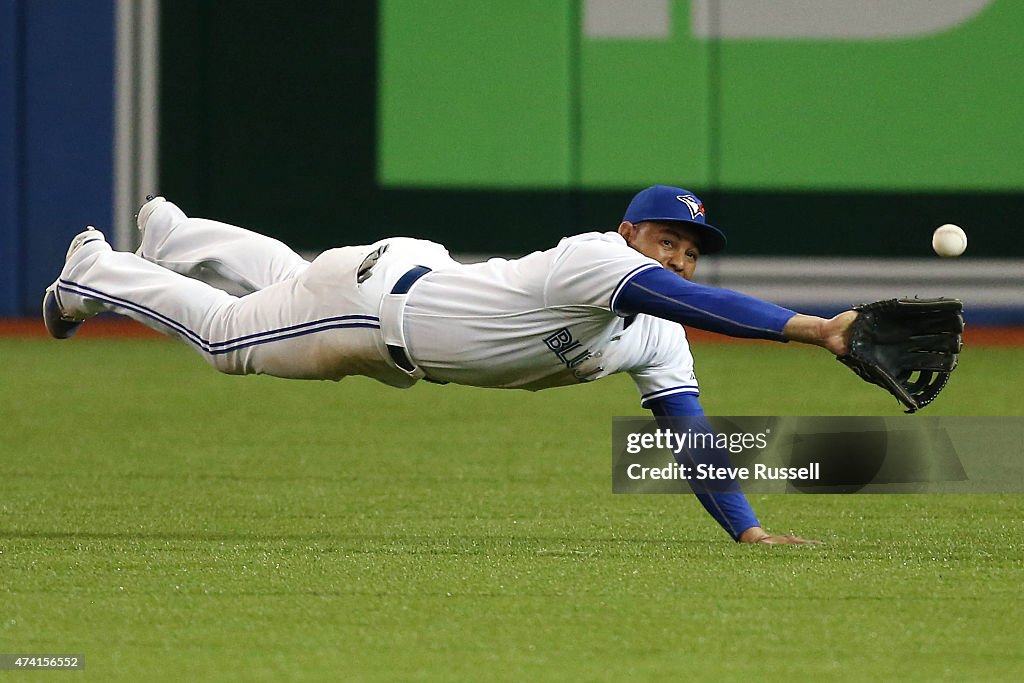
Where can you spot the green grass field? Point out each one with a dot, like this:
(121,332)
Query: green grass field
(171,523)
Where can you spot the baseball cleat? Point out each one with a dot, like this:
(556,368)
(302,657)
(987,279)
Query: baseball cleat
(147,210)
(90,234)
(59,324)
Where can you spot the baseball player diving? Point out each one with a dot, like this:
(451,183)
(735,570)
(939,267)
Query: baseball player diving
(402,310)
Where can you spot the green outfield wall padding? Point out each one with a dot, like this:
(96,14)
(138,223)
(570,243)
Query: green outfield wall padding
(476,91)
(645,110)
(499,127)
(462,89)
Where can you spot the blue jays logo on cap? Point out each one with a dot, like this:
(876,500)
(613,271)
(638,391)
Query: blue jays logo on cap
(676,205)
(696,208)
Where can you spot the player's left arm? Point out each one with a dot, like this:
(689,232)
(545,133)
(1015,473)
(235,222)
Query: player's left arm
(829,333)
(663,294)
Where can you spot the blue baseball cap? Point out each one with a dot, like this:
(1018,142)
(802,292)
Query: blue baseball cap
(664,203)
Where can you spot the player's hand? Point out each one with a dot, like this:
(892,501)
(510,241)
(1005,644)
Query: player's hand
(831,333)
(835,332)
(756,534)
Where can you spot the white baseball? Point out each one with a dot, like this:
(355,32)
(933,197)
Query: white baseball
(949,240)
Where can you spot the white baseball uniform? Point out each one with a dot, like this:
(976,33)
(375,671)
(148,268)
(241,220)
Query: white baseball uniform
(249,304)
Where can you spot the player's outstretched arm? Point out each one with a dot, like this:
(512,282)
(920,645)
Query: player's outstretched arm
(829,333)
(663,294)
(756,534)
(660,293)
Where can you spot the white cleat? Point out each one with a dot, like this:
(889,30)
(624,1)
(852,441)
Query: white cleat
(90,234)
(59,324)
(146,211)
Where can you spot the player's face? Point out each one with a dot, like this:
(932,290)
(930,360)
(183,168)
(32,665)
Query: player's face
(670,244)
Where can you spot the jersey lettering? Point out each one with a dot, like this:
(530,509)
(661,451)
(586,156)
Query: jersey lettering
(568,350)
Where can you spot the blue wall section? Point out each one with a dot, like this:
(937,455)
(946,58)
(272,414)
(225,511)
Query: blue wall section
(68,129)
(9,251)
(56,137)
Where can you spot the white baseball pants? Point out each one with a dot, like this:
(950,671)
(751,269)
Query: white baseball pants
(246,302)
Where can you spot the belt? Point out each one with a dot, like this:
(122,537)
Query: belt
(397,351)
(406,282)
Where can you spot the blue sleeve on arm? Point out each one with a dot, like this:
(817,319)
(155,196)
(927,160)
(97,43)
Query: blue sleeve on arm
(663,294)
(729,508)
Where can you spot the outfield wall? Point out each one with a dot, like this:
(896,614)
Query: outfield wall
(56,137)
(499,127)
(865,95)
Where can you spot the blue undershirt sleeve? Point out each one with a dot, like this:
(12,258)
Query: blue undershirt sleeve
(663,294)
(726,504)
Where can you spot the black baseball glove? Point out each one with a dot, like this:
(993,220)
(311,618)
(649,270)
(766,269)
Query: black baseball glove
(907,346)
